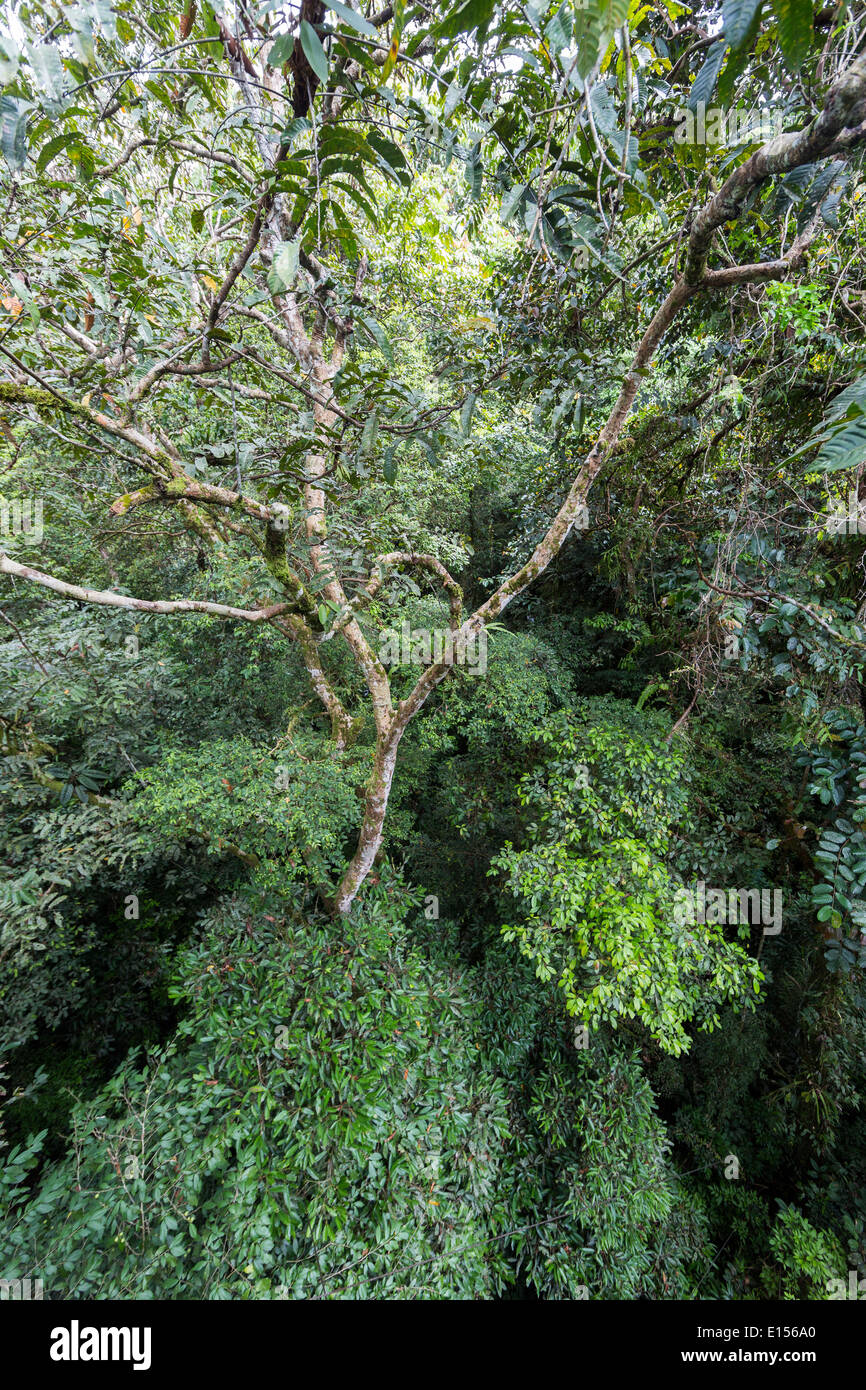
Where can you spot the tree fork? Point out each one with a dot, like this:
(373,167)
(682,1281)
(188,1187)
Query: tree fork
(843,112)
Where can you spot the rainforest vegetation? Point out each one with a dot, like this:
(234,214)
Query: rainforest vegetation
(432,641)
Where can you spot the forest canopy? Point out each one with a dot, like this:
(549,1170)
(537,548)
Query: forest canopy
(432,639)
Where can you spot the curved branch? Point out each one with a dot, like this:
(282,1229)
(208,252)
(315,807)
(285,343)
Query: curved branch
(843,113)
(107,598)
(342,724)
(183,488)
(410,557)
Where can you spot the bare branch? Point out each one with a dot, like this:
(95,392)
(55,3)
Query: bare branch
(107,598)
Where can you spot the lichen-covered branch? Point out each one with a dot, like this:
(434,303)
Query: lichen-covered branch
(108,599)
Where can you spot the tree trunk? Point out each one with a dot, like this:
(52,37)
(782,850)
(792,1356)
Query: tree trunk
(375,806)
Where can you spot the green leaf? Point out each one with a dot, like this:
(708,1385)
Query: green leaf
(82,36)
(392,156)
(9,59)
(358,198)
(558,30)
(281,51)
(594,30)
(210,24)
(312,46)
(614,13)
(738,16)
(844,449)
(81,155)
(831,203)
(47,68)
(52,149)
(705,82)
(472,14)
(357,21)
(466,414)
(106,17)
(795,30)
(389,464)
(508,206)
(369,432)
(573,194)
(379,336)
(13,130)
(853,395)
(20,289)
(284,266)
(295,127)
(603,110)
(474,174)
(453,97)
(343,228)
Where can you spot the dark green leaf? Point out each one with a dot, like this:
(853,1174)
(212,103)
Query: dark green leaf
(379,336)
(795,30)
(53,148)
(472,14)
(281,50)
(738,16)
(705,82)
(312,46)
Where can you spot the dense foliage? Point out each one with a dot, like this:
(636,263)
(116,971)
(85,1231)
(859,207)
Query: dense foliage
(331,334)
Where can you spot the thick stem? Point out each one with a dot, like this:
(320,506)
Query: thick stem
(342,724)
(107,598)
(375,806)
(316,524)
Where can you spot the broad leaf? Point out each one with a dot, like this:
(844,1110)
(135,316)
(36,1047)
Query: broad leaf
(352,18)
(315,53)
(738,16)
(284,266)
(795,30)
(705,82)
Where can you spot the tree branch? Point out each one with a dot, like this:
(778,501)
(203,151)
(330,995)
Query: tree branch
(109,599)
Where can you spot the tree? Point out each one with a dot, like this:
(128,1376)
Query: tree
(248,281)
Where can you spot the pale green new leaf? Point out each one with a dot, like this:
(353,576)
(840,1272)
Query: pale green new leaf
(13,130)
(9,59)
(284,266)
(352,18)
